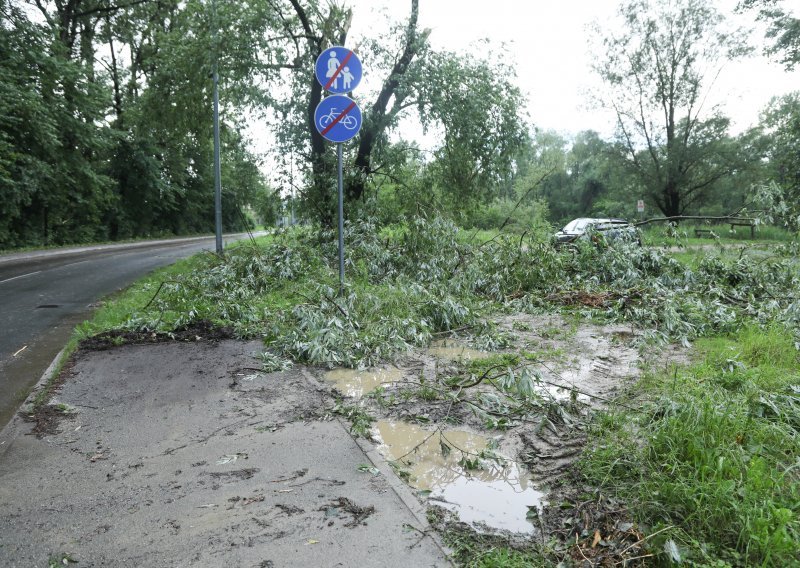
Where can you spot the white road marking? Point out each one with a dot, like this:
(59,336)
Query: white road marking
(20,276)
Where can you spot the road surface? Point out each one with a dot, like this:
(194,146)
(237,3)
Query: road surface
(44,294)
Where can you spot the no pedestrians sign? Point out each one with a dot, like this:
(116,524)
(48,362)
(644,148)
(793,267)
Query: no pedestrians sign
(338,70)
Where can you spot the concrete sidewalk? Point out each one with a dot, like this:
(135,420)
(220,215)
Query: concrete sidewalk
(180,454)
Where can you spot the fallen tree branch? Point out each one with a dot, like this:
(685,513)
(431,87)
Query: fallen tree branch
(720,220)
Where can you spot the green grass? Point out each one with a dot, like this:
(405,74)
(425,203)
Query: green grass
(130,304)
(684,235)
(715,454)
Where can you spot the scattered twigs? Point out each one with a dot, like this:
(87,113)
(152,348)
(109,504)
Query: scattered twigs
(641,540)
(484,377)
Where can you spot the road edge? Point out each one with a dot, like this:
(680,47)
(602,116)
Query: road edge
(13,428)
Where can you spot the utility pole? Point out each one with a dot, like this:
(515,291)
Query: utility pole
(217,168)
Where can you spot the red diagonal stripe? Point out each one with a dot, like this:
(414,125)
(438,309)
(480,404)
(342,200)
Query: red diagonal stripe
(339,70)
(338,118)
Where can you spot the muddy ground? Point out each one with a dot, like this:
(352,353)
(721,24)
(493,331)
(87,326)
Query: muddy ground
(183,453)
(526,490)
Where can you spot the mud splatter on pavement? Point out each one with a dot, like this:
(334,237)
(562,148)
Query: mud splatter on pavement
(143,473)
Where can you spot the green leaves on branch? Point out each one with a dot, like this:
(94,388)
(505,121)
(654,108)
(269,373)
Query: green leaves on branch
(415,280)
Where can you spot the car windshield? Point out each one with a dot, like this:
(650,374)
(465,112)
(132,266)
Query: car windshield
(576,225)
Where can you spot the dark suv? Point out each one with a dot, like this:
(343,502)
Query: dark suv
(587,228)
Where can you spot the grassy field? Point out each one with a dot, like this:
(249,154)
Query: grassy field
(709,460)
(684,235)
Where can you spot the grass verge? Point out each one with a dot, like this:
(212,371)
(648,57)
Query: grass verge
(713,458)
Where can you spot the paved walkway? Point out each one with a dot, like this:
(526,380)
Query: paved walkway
(180,454)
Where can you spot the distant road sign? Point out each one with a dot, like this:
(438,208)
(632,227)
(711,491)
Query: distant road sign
(640,206)
(338,70)
(337,118)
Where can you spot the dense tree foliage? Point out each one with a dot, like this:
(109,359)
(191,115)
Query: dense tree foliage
(657,74)
(105,128)
(444,88)
(106,133)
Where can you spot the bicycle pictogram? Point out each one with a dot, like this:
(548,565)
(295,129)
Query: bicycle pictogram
(348,121)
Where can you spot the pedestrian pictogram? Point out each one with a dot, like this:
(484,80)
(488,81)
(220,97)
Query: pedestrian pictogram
(337,118)
(338,70)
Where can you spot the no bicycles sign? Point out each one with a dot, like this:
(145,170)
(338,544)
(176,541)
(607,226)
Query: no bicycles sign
(337,117)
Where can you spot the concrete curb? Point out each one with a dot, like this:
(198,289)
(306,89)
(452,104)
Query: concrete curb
(12,429)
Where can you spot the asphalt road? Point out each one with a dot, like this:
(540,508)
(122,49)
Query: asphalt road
(43,295)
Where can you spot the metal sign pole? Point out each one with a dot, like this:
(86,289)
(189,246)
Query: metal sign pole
(341,219)
(217,169)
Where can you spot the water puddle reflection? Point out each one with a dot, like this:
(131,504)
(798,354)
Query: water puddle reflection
(351,382)
(455,351)
(499,495)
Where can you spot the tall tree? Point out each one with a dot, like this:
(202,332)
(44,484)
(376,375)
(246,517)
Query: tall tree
(414,77)
(657,74)
(783,31)
(778,194)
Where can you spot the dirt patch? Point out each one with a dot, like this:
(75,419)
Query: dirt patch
(46,419)
(344,505)
(202,330)
(591,527)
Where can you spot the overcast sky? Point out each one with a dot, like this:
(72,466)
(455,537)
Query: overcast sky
(548,41)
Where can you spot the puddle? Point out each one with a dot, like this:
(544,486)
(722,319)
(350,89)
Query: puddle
(498,495)
(586,373)
(455,351)
(351,382)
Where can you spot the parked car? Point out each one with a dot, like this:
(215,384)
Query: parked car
(588,228)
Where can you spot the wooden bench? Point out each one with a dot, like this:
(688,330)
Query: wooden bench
(745,224)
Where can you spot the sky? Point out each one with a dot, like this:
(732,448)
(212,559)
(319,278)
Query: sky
(547,40)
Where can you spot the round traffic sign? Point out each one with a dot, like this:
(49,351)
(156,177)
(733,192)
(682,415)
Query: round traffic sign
(337,118)
(338,70)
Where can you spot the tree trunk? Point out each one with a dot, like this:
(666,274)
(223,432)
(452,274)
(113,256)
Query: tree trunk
(376,120)
(115,77)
